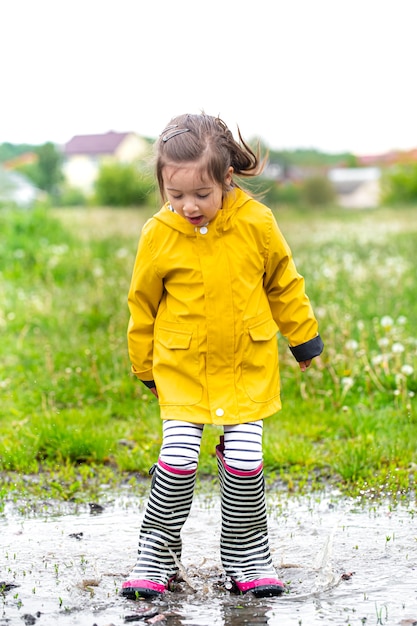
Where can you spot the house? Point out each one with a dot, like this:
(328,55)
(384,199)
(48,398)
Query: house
(356,187)
(84,154)
(17,190)
(394,157)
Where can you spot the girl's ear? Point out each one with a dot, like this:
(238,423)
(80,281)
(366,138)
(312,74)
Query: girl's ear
(228,178)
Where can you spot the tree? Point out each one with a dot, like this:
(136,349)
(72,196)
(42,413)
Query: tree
(399,184)
(318,191)
(49,168)
(121,184)
(46,173)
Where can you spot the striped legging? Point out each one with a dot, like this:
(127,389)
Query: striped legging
(181,445)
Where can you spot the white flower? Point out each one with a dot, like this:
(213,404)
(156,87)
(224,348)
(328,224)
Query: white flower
(407,370)
(122,253)
(328,272)
(59,249)
(351,344)
(347,382)
(98,271)
(387,322)
(383,342)
(402,320)
(397,347)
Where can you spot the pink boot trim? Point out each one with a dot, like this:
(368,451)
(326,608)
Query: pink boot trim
(175,470)
(142,587)
(261,586)
(232,470)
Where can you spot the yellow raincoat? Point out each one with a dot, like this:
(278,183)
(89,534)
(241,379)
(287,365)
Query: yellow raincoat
(206,304)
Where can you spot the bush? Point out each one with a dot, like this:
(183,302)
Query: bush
(399,185)
(71,196)
(272,192)
(283,193)
(120,184)
(318,191)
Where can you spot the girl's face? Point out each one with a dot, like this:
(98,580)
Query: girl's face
(191,194)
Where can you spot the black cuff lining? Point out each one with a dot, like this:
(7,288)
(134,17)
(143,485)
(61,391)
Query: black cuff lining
(148,383)
(308,350)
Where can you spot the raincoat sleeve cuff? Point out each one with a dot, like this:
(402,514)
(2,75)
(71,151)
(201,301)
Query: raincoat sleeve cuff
(308,350)
(148,383)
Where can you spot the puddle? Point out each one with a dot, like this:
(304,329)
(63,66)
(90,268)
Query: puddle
(344,563)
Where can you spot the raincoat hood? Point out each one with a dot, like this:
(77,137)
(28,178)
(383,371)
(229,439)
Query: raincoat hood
(223,220)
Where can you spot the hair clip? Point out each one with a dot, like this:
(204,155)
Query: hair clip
(173,130)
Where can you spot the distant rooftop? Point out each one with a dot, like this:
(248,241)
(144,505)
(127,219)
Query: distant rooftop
(106,143)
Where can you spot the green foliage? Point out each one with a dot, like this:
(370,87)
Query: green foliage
(399,185)
(49,168)
(309,157)
(69,405)
(120,184)
(29,243)
(9,150)
(71,196)
(318,191)
(46,173)
(283,194)
(271,192)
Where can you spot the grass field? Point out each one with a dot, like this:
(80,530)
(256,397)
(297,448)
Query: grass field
(73,419)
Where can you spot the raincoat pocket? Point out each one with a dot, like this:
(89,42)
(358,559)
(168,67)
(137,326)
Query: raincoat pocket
(260,369)
(176,365)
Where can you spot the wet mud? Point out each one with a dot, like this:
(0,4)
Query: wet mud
(343,562)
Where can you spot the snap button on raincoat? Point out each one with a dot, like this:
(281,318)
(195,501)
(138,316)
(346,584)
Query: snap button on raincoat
(206,305)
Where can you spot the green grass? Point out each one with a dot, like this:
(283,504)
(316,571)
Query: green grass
(73,419)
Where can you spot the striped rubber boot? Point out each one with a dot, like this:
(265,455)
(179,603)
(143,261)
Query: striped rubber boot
(244,544)
(159,539)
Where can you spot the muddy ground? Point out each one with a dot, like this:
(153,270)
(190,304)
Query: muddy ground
(345,562)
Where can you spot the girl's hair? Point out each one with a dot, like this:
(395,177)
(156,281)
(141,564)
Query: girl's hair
(205,138)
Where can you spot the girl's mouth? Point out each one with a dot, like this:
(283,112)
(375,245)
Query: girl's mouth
(196,220)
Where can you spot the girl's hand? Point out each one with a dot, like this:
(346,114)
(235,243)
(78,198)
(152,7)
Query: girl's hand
(304,365)
(154,391)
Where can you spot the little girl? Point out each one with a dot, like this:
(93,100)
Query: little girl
(213,283)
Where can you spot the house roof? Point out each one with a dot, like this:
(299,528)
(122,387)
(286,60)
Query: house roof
(27,158)
(106,143)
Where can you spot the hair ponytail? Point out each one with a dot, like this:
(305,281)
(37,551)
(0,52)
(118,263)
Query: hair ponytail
(189,138)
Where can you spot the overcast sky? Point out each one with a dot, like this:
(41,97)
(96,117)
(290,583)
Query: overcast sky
(330,74)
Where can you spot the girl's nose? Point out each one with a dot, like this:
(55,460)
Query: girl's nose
(190,207)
